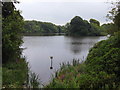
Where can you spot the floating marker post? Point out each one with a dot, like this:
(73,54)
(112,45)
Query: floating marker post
(51,57)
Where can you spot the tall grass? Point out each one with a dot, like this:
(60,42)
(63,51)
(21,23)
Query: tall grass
(18,75)
(34,80)
(67,75)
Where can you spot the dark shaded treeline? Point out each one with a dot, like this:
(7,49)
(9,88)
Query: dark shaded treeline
(40,28)
(81,27)
(76,27)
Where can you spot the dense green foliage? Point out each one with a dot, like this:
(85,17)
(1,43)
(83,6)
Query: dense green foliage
(111,28)
(93,21)
(117,21)
(14,67)
(12,26)
(107,28)
(41,28)
(81,27)
(100,70)
(103,60)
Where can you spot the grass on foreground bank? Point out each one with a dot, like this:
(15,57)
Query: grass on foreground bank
(18,75)
(77,76)
(69,76)
(15,74)
(100,70)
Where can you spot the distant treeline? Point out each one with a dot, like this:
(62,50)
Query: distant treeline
(76,27)
(41,28)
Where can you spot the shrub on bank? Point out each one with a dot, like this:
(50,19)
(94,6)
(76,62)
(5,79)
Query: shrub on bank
(100,70)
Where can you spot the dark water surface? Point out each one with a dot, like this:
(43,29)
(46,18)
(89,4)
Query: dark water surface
(62,48)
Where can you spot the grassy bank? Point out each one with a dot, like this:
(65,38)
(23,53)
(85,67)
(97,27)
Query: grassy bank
(15,74)
(18,75)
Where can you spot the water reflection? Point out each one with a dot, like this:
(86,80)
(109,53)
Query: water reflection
(62,48)
(79,44)
(75,44)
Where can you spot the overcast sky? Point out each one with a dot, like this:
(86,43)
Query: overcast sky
(62,11)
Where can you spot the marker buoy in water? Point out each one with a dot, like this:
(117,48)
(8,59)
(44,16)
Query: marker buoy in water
(51,57)
(51,67)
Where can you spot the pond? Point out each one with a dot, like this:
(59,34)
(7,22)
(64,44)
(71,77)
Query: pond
(62,48)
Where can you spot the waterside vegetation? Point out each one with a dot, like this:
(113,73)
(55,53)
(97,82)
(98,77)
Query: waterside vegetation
(100,70)
(15,70)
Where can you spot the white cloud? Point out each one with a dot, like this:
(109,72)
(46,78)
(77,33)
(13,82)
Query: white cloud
(63,12)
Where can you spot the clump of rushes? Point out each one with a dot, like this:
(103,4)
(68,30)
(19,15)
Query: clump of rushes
(34,80)
(67,75)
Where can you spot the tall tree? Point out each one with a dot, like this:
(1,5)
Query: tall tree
(117,20)
(11,32)
(77,26)
(114,15)
(81,27)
